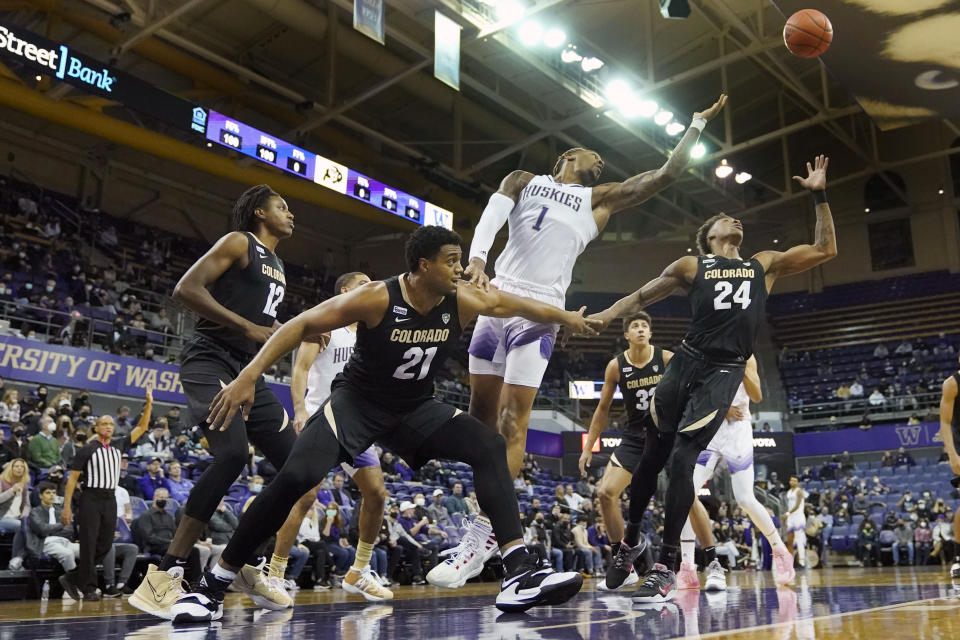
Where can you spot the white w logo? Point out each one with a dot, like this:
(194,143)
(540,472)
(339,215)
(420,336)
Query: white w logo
(909,436)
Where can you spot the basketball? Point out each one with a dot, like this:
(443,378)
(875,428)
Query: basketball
(808,33)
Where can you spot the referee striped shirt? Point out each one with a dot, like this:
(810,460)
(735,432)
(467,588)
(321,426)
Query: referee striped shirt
(99,464)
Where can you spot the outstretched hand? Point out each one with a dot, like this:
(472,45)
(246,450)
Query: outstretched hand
(238,395)
(711,113)
(476,275)
(816,179)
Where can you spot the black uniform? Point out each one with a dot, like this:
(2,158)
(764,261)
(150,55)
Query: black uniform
(728,298)
(385,392)
(955,420)
(214,357)
(637,385)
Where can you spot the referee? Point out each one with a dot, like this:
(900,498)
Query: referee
(99,464)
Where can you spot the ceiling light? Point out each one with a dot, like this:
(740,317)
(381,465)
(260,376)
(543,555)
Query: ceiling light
(509,11)
(689,249)
(663,117)
(531,33)
(698,151)
(723,170)
(674,128)
(866,210)
(591,64)
(209,144)
(39,78)
(555,38)
(939,192)
(742,177)
(775,241)
(570,55)
(648,108)
(619,93)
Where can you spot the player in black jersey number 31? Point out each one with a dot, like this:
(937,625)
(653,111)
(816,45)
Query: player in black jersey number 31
(405,328)
(728,297)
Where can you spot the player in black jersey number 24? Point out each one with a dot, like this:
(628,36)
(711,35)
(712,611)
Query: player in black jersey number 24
(406,326)
(728,298)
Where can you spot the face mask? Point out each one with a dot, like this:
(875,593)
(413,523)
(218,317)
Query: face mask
(331,513)
(50,428)
(256,488)
(28,286)
(161,504)
(19,433)
(418,501)
(49,289)
(88,287)
(55,478)
(393,514)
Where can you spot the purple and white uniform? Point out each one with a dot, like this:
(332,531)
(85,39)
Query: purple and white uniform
(324,369)
(549,227)
(733,442)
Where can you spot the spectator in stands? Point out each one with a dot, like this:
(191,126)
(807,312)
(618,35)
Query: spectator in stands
(220,529)
(904,348)
(881,351)
(155,526)
(388,466)
(403,470)
(868,550)
(806,475)
(572,498)
(124,426)
(589,555)
(563,540)
(153,480)
(160,322)
(826,530)
(856,389)
(597,536)
(877,488)
(860,505)
(473,505)
(174,424)
(157,443)
(16,445)
(827,472)
(437,511)
(923,541)
(877,398)
(108,237)
(410,548)
(420,530)
(904,458)
(455,502)
(47,535)
(944,542)
(587,512)
(43,451)
(420,506)
(888,460)
(69,447)
(128,481)
(14,504)
(904,541)
(10,406)
(907,504)
(254,486)
(846,463)
(178,485)
(337,493)
(119,338)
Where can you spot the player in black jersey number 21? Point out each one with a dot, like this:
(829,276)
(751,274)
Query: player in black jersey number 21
(728,297)
(406,326)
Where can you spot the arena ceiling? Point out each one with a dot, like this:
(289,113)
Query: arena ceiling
(297,68)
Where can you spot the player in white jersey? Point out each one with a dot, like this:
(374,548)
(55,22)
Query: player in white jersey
(314,369)
(797,519)
(733,445)
(551,220)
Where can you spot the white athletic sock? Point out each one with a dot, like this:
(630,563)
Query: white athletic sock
(223,574)
(688,543)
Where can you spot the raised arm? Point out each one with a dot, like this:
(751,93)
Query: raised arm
(600,415)
(947,399)
(491,221)
(500,304)
(306,354)
(365,304)
(144,424)
(676,278)
(806,256)
(191,291)
(614,197)
(751,380)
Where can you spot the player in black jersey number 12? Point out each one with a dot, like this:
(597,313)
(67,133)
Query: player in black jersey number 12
(728,298)
(406,325)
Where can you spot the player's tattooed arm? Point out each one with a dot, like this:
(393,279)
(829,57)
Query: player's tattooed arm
(612,198)
(676,278)
(806,256)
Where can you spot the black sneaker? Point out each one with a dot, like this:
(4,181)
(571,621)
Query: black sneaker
(620,567)
(534,584)
(660,585)
(91,596)
(204,603)
(418,581)
(69,587)
(127,590)
(111,591)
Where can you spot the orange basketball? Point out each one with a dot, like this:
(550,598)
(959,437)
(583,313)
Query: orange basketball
(808,33)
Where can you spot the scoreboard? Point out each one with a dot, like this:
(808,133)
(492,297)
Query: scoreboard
(325,172)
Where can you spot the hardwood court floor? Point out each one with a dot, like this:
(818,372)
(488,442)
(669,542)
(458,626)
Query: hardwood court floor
(872,604)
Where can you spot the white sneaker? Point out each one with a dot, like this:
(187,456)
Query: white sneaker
(716,577)
(366,584)
(159,591)
(15,564)
(467,559)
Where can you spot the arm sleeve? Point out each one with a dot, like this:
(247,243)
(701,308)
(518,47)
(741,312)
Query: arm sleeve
(494,215)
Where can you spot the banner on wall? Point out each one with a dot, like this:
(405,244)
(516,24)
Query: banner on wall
(879,438)
(446,50)
(54,365)
(368,18)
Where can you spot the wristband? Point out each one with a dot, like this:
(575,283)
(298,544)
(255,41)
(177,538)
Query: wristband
(698,124)
(819,196)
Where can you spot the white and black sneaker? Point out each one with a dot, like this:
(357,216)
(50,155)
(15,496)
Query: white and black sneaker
(534,584)
(716,577)
(955,571)
(622,565)
(204,603)
(660,585)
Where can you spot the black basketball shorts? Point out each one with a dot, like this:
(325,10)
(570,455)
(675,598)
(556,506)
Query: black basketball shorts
(628,453)
(358,422)
(694,395)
